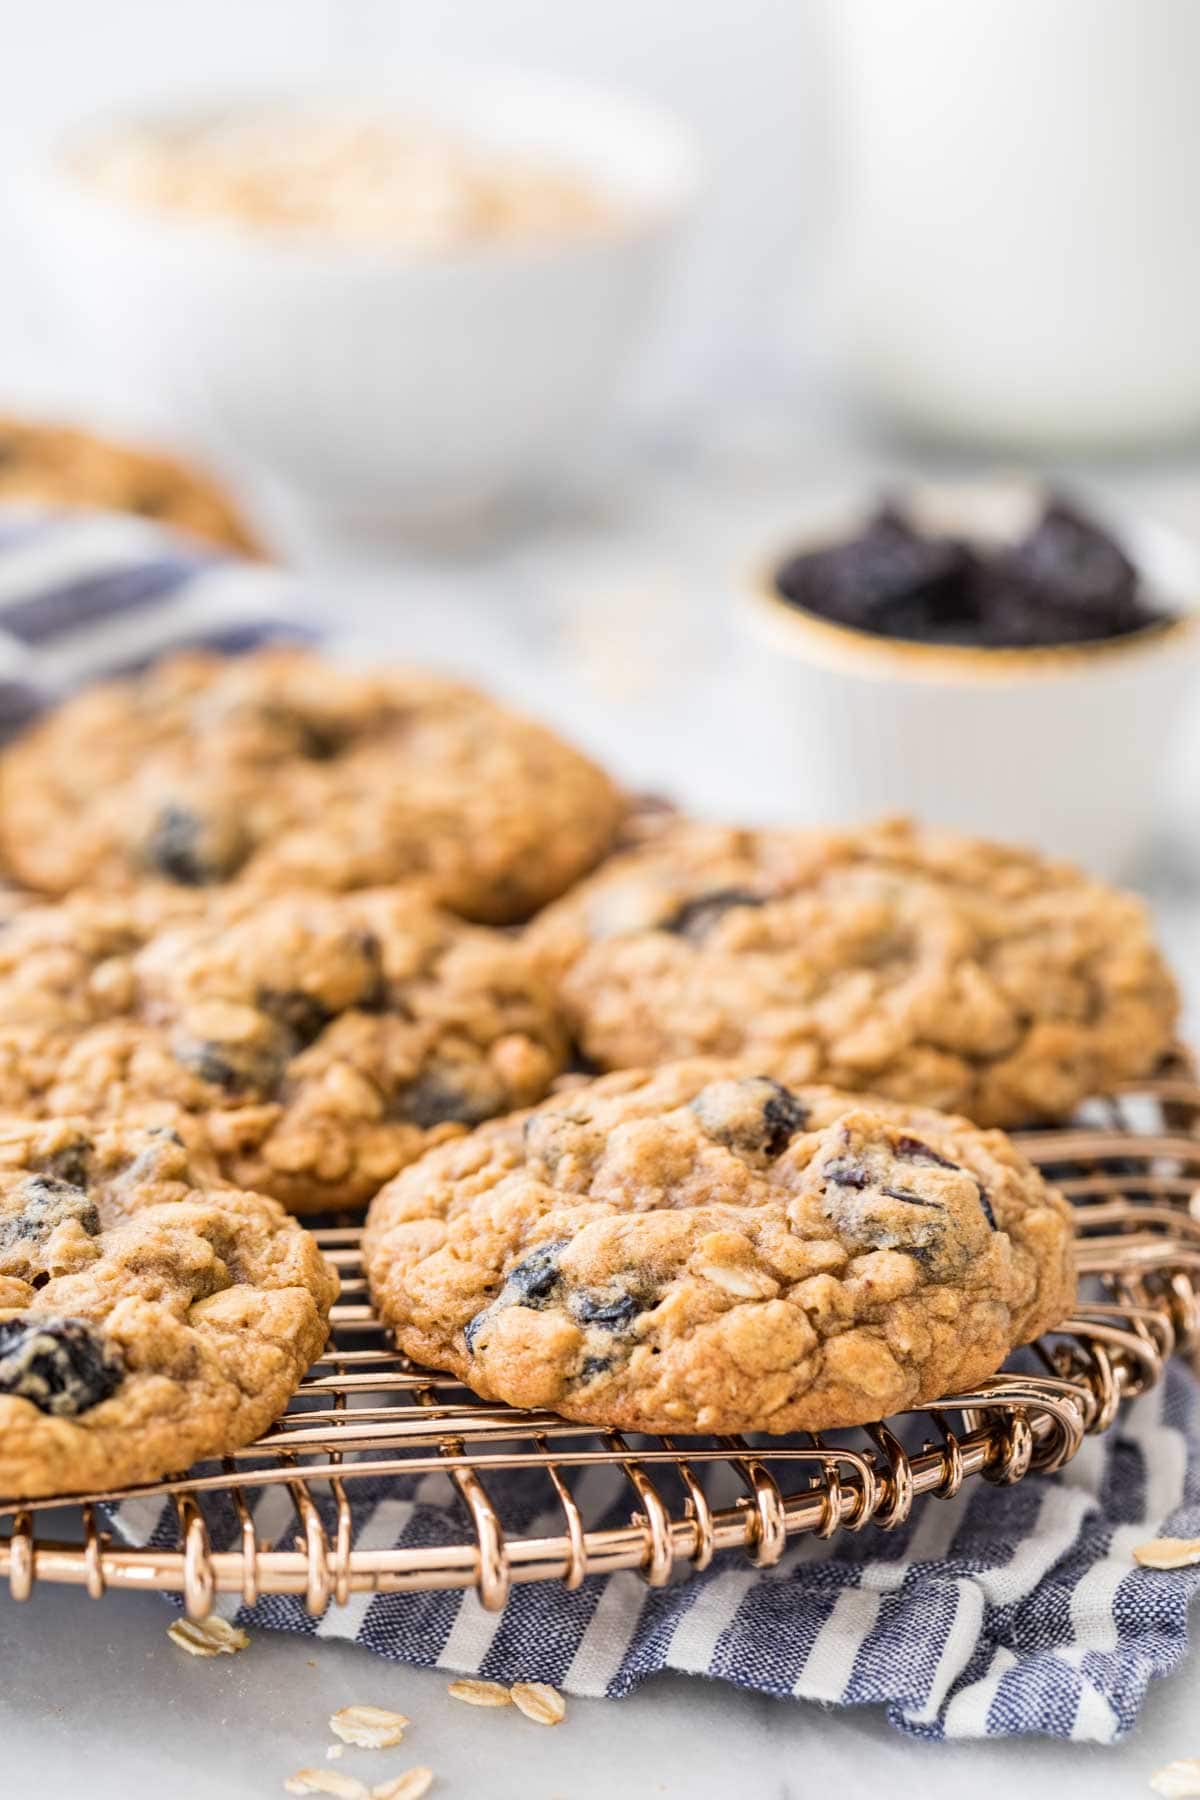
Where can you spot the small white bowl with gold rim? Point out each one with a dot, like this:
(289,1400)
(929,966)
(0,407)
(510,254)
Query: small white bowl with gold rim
(1066,748)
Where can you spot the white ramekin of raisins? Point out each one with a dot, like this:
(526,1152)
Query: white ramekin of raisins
(995,658)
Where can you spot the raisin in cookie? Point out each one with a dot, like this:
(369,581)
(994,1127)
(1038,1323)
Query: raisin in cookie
(696,1249)
(60,466)
(279,770)
(149,1315)
(322,1041)
(925,966)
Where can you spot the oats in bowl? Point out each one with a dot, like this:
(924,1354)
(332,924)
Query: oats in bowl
(341,174)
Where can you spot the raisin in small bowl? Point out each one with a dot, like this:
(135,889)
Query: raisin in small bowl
(998,658)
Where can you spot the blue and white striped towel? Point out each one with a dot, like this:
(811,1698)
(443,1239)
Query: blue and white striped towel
(86,594)
(1001,1611)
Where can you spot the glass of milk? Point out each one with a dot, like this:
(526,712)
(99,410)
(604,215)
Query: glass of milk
(1017,251)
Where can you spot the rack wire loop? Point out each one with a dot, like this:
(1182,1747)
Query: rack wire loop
(22,1566)
(654,1518)
(698,1512)
(954,1469)
(576,1542)
(897,1486)
(198,1583)
(766,1528)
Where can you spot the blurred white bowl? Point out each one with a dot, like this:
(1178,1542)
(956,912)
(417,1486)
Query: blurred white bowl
(379,382)
(1063,748)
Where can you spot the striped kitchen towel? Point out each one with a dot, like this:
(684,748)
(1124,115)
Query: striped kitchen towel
(85,594)
(1000,1611)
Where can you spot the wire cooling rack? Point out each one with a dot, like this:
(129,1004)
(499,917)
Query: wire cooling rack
(366,1415)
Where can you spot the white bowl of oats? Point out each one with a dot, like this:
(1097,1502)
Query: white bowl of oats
(403,306)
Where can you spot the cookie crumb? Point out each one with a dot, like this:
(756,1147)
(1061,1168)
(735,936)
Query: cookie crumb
(480,1693)
(334,1751)
(539,1702)
(327,1781)
(213,1636)
(1178,1780)
(369,1727)
(1168,1553)
(409,1786)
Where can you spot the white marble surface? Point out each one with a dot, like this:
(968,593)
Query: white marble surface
(612,617)
(94,1701)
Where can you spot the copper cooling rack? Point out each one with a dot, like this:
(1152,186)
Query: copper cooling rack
(364,1415)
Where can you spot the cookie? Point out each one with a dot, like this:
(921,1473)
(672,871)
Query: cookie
(929,967)
(149,1315)
(321,1041)
(279,770)
(61,466)
(693,1249)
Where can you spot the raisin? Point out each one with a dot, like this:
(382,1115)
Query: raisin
(61,1365)
(593,1366)
(608,1312)
(189,850)
(784,1115)
(847,1174)
(321,741)
(911,1199)
(46,1204)
(891,580)
(237,1067)
(1070,580)
(318,739)
(752,1116)
(174,846)
(436,1097)
(986,1204)
(535,1277)
(913,1150)
(70,1164)
(1065,582)
(301,1014)
(374,995)
(696,918)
